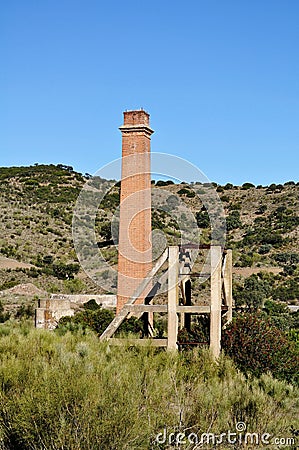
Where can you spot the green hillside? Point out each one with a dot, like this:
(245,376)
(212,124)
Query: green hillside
(36,208)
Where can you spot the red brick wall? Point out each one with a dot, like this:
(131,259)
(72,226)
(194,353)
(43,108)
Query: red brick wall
(134,251)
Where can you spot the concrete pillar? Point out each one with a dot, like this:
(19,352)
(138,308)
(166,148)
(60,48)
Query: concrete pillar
(173,297)
(216,285)
(134,248)
(228,283)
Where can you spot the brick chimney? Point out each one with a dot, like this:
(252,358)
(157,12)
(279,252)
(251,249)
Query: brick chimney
(134,247)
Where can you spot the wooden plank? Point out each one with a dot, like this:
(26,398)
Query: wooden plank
(216,288)
(142,342)
(146,281)
(173,297)
(113,326)
(194,309)
(117,321)
(227,284)
(146,308)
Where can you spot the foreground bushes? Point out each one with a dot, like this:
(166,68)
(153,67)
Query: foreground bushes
(257,346)
(72,392)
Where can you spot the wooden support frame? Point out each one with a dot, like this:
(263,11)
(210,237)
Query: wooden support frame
(179,275)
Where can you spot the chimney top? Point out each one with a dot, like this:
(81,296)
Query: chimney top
(136,117)
(136,121)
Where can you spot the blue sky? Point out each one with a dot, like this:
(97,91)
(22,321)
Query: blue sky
(220,79)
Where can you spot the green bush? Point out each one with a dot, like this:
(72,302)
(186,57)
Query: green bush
(264,249)
(25,311)
(257,346)
(65,271)
(255,290)
(97,319)
(247,186)
(202,219)
(164,183)
(183,191)
(4,316)
(233,221)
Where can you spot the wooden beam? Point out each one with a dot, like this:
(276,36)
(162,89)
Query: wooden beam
(216,288)
(146,308)
(117,321)
(146,281)
(227,284)
(193,309)
(142,342)
(173,297)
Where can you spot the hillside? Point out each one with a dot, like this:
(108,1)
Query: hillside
(36,207)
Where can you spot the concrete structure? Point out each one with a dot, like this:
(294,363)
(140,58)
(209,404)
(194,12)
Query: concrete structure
(49,311)
(106,300)
(134,248)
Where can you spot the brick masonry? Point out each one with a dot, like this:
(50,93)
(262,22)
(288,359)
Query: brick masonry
(135,249)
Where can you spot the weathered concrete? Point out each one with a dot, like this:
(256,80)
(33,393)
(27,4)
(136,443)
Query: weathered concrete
(106,300)
(50,311)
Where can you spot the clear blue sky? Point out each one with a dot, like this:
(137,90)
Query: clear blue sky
(220,79)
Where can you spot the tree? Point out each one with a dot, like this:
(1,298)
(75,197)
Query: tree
(65,271)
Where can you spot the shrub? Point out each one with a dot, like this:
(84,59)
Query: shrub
(73,392)
(191,194)
(65,271)
(257,346)
(287,258)
(4,316)
(264,249)
(164,183)
(247,186)
(255,290)
(225,198)
(261,209)
(233,221)
(91,304)
(97,319)
(203,220)
(25,311)
(183,191)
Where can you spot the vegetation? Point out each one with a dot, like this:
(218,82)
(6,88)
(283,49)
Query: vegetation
(68,391)
(97,319)
(257,346)
(36,207)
